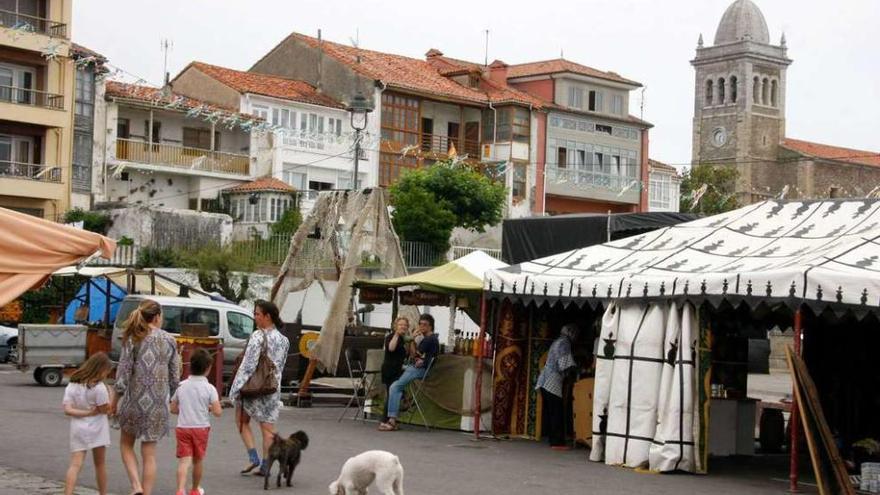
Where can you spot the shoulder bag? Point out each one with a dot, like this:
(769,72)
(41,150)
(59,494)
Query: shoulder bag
(263,381)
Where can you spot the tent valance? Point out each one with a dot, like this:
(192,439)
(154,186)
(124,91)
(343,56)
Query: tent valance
(825,253)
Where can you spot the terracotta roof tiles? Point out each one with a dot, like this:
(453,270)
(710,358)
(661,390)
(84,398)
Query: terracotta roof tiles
(161,98)
(560,65)
(826,152)
(263,184)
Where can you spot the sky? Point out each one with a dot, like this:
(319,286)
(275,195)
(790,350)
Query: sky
(833,85)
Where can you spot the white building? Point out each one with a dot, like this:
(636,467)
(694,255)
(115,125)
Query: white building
(664,187)
(313,138)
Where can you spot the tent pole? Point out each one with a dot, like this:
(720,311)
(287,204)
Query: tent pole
(478,382)
(793,418)
(107,323)
(153,282)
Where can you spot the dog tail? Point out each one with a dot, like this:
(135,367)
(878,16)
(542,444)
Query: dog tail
(302,438)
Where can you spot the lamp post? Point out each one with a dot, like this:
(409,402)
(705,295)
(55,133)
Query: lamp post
(358,108)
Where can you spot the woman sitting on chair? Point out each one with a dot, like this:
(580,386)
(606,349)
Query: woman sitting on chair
(425,348)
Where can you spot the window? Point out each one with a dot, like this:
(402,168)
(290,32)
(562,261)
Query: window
(200,138)
(765,88)
(575,97)
(82,149)
(521,125)
(733,89)
(343,181)
(595,102)
(615,165)
(273,210)
(157,130)
(241,326)
(834,192)
(334,126)
(16,83)
(599,162)
(294,175)
(617,104)
(773,93)
(756,90)
(581,158)
(122,129)
(261,111)
(316,185)
(85,92)
(16,149)
(710,92)
(174,317)
(721,89)
(518,189)
(605,129)
(561,157)
(264,209)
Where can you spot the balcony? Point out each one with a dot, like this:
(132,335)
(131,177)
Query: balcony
(31,97)
(588,184)
(182,158)
(23,22)
(424,145)
(30,171)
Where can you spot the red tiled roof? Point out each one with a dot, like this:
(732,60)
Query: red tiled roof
(79,51)
(160,98)
(654,164)
(559,65)
(261,84)
(836,153)
(406,73)
(260,185)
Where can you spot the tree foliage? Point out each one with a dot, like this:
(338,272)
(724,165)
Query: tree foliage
(288,223)
(93,221)
(430,202)
(223,271)
(711,187)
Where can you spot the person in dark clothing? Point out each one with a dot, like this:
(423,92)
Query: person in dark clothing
(560,364)
(423,350)
(395,355)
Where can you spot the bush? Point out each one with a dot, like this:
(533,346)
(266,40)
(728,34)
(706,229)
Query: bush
(158,258)
(288,223)
(216,267)
(93,221)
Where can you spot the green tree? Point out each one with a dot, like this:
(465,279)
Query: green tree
(288,223)
(711,187)
(93,221)
(430,202)
(217,267)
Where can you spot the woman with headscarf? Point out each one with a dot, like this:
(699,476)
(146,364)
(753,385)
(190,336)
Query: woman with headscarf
(560,362)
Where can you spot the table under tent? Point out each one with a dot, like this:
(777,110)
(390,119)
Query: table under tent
(668,313)
(450,390)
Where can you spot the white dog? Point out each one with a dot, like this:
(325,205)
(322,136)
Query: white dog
(359,471)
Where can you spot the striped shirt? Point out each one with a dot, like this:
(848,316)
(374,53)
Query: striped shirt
(559,359)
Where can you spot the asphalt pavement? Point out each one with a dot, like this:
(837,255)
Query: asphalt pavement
(34,435)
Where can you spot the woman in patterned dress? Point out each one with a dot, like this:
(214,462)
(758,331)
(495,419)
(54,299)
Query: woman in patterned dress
(147,376)
(262,409)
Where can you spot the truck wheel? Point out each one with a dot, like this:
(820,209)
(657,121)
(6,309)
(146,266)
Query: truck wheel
(52,377)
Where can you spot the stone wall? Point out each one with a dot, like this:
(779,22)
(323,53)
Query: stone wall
(167,228)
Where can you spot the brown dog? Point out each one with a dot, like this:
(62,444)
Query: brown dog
(287,451)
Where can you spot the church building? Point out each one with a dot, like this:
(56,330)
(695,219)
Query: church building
(739,119)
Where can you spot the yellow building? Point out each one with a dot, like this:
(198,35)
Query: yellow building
(36,101)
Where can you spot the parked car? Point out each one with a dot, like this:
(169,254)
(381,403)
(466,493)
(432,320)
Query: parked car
(8,344)
(233,323)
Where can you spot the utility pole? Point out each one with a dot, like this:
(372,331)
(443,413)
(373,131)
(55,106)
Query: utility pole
(166,46)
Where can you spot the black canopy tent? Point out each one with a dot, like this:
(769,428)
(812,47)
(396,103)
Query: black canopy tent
(525,239)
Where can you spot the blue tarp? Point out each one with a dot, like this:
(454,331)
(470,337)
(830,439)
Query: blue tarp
(97,288)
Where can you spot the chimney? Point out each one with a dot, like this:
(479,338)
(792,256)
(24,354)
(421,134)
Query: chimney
(433,58)
(318,82)
(498,72)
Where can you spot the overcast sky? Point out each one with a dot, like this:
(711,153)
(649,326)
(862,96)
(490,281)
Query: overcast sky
(833,84)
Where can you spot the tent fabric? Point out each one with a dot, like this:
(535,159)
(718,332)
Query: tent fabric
(97,300)
(525,239)
(33,248)
(822,252)
(643,409)
(463,274)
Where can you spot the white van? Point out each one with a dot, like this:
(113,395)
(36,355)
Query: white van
(232,323)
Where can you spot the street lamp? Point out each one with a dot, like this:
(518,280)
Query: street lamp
(359,107)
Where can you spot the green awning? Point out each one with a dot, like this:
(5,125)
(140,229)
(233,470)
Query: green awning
(462,275)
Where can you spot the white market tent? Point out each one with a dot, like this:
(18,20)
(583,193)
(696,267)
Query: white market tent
(823,252)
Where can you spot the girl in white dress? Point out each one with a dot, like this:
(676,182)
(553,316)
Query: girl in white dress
(87,402)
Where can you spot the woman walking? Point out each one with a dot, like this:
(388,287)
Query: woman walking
(147,377)
(263,409)
(395,355)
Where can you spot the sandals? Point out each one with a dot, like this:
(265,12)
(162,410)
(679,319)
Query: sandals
(250,468)
(390,425)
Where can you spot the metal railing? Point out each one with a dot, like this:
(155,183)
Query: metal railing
(29,171)
(182,157)
(462,251)
(29,23)
(32,97)
(588,178)
(123,256)
(81,178)
(439,144)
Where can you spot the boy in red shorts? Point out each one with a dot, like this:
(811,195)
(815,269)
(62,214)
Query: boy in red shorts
(194,400)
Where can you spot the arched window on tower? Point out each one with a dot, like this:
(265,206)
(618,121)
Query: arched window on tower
(756,91)
(773,96)
(733,89)
(721,91)
(765,89)
(710,92)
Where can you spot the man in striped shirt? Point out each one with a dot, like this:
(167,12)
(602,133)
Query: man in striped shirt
(550,383)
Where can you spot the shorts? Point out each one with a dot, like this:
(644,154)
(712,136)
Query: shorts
(192,442)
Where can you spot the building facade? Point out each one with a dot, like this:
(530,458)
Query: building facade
(739,119)
(88,93)
(312,137)
(664,187)
(36,106)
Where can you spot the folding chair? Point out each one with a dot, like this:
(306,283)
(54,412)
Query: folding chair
(414,389)
(358,384)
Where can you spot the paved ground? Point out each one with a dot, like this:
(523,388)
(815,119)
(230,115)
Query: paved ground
(34,437)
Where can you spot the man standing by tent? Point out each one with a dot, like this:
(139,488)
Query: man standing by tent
(560,362)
